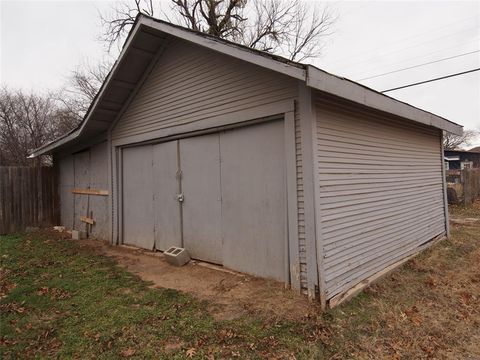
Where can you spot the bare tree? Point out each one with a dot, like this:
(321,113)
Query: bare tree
(455,142)
(82,86)
(28,121)
(289,28)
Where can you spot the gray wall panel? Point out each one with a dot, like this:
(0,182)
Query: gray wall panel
(202,208)
(166,188)
(98,205)
(138,190)
(85,170)
(254,199)
(381,192)
(191,84)
(81,164)
(66,183)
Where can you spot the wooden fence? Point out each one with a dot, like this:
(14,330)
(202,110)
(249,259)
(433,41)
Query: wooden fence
(28,197)
(466,185)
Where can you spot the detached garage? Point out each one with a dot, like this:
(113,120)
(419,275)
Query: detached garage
(250,161)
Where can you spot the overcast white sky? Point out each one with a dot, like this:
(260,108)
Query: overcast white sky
(42,41)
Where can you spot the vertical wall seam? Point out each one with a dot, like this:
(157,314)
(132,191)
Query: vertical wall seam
(444,184)
(306,119)
(293,244)
(317,209)
(110,187)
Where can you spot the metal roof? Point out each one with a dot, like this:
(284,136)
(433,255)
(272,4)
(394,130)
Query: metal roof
(144,44)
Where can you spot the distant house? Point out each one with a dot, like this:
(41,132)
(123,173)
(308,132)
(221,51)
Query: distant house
(462,159)
(254,162)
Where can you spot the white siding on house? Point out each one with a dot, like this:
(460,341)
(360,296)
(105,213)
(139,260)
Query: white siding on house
(191,84)
(381,192)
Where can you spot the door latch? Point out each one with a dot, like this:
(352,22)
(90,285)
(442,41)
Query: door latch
(180,197)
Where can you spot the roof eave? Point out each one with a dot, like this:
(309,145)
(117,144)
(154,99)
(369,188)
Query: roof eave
(48,148)
(292,69)
(344,88)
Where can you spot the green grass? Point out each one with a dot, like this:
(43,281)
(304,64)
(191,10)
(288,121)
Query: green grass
(61,300)
(58,299)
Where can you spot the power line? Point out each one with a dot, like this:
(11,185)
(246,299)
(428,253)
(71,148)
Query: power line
(427,81)
(419,65)
(401,40)
(351,61)
(445,50)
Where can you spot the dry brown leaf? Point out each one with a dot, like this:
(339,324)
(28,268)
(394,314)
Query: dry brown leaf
(431,281)
(191,352)
(466,297)
(42,291)
(413,315)
(128,352)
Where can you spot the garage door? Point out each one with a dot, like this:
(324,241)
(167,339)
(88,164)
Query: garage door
(202,211)
(138,217)
(221,196)
(253,199)
(151,217)
(167,228)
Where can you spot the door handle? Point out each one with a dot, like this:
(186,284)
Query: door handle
(180,197)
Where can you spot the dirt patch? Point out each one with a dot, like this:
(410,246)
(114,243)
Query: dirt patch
(229,294)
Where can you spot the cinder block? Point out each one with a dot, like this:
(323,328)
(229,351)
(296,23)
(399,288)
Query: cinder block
(30,229)
(78,235)
(177,256)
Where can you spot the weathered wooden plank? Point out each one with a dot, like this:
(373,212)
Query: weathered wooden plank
(90,192)
(87,220)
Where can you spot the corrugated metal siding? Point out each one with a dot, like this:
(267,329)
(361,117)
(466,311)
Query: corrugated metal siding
(302,244)
(191,83)
(380,192)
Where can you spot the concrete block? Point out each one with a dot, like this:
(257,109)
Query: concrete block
(78,235)
(30,229)
(177,256)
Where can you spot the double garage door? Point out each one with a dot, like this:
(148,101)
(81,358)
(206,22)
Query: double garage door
(222,196)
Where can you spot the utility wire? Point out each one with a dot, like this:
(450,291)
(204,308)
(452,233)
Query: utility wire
(354,62)
(419,65)
(444,50)
(427,81)
(401,40)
